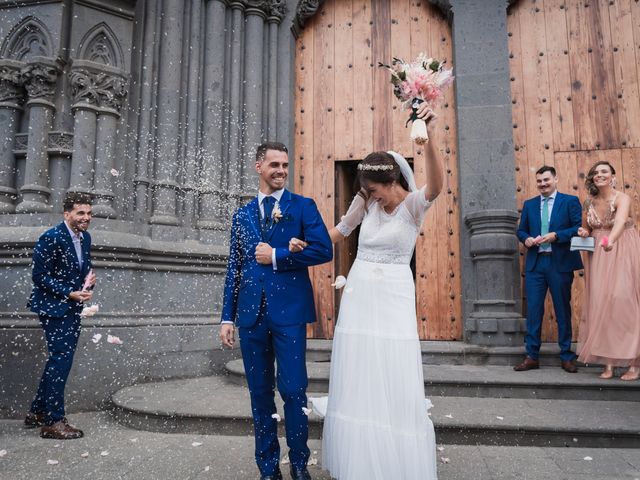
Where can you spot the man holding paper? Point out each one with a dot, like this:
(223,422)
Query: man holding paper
(547,224)
(62,282)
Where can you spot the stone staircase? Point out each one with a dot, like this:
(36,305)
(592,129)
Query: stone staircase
(477,397)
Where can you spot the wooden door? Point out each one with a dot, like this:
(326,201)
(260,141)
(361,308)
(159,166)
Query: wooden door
(575,100)
(344,110)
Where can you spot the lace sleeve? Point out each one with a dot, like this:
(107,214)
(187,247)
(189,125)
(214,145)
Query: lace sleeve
(353,217)
(417,204)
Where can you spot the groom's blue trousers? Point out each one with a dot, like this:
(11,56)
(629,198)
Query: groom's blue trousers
(262,345)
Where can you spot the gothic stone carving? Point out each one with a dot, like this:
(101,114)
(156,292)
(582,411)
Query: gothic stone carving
(11,89)
(304,11)
(98,88)
(40,79)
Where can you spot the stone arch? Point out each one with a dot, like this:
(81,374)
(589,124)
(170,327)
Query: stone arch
(29,38)
(100,45)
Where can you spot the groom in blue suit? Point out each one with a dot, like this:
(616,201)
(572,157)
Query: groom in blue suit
(62,279)
(547,224)
(268,296)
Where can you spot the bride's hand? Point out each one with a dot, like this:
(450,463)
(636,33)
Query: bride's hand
(426,113)
(583,232)
(296,245)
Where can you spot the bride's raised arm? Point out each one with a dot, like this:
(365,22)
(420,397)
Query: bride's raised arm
(350,220)
(432,156)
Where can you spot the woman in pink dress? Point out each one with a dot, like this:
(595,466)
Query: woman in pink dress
(610,327)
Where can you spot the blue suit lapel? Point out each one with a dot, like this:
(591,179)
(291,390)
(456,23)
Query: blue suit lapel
(71,250)
(536,222)
(283,204)
(557,205)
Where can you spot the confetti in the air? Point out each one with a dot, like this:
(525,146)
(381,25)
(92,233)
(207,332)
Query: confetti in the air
(84,455)
(588,459)
(52,462)
(3,453)
(196,444)
(115,172)
(276,416)
(96,338)
(444,459)
(104,453)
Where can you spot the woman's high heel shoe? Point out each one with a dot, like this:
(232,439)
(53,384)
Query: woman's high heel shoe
(607,373)
(632,374)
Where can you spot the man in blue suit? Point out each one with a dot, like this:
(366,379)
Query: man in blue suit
(61,268)
(268,296)
(547,224)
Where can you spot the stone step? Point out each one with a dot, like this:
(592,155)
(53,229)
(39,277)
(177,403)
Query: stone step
(213,406)
(454,353)
(491,381)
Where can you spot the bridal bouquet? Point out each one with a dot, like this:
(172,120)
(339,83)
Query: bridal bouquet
(422,80)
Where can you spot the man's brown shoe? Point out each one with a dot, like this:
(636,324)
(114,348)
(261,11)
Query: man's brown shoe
(569,366)
(527,364)
(61,431)
(33,420)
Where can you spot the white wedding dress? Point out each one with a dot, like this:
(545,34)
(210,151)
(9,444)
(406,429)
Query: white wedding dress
(376,424)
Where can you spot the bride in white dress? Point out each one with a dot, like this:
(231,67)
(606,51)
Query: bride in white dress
(376,424)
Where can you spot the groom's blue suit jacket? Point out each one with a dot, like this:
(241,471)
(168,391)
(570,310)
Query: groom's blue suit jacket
(56,271)
(287,290)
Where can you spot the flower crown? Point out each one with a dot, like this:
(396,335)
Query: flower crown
(375,168)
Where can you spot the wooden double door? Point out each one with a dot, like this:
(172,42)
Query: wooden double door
(345,109)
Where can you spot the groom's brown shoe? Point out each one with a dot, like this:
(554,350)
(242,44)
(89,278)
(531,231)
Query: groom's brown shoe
(33,420)
(61,431)
(527,364)
(569,366)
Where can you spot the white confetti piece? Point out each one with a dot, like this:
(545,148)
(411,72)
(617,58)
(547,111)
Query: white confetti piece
(312,461)
(207,468)
(115,172)
(499,417)
(448,415)
(588,459)
(445,459)
(3,453)
(339,282)
(104,453)
(276,416)
(52,462)
(575,440)
(133,440)
(96,338)
(306,411)
(196,444)
(89,311)
(114,340)
(441,449)
(84,455)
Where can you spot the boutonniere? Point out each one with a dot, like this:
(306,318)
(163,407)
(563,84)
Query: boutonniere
(276,214)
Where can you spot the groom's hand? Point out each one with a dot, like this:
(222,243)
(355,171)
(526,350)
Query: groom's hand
(263,253)
(227,335)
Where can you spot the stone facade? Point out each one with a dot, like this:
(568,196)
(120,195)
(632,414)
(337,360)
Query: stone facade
(155,107)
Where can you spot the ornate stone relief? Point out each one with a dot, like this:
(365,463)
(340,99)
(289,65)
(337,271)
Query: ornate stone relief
(60,142)
(40,79)
(28,39)
(304,11)
(278,9)
(100,45)
(98,88)
(11,89)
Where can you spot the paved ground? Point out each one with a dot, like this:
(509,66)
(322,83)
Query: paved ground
(111,451)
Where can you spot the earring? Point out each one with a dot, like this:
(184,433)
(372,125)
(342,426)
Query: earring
(612,183)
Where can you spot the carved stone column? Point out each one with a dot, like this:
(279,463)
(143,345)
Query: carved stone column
(237,127)
(168,119)
(277,12)
(210,186)
(495,317)
(112,91)
(256,15)
(11,99)
(85,114)
(40,76)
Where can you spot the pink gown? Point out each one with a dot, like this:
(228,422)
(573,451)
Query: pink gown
(610,326)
